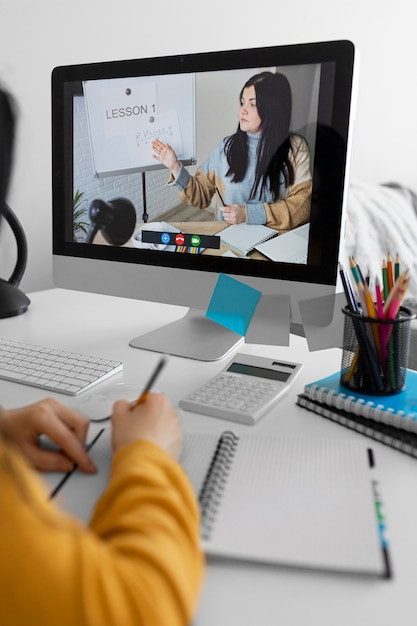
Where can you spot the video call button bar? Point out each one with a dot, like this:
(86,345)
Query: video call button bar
(181,239)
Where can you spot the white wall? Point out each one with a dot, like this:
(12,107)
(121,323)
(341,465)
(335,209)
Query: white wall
(36,36)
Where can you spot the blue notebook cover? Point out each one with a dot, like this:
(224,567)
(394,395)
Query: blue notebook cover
(399,409)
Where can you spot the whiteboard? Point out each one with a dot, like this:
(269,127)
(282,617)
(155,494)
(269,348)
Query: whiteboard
(125,114)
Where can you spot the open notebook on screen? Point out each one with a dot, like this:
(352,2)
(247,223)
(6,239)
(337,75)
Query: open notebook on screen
(290,247)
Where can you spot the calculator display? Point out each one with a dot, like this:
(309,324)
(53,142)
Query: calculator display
(261,372)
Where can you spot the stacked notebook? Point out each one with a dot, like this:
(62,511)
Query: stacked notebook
(390,419)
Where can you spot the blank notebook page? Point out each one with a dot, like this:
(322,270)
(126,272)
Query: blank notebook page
(297,502)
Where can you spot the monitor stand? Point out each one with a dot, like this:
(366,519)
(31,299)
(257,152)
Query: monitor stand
(194,336)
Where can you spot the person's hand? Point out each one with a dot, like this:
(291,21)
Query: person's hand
(233,213)
(62,425)
(154,420)
(166,155)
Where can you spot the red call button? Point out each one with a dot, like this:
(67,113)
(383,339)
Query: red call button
(179,239)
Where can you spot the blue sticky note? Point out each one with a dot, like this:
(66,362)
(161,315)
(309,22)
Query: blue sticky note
(233,304)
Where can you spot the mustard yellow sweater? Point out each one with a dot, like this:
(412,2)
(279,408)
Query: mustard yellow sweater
(138,561)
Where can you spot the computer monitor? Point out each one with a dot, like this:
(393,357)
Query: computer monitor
(126,225)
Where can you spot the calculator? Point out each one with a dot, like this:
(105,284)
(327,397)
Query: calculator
(245,390)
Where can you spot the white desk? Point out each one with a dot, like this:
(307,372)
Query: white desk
(239,594)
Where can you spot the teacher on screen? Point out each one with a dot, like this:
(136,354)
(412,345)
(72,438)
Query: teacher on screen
(260,174)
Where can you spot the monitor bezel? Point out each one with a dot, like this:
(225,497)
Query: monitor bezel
(323,269)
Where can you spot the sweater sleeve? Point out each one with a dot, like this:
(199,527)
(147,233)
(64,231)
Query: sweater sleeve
(294,209)
(138,562)
(196,191)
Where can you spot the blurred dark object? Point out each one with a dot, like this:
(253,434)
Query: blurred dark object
(12,300)
(116,220)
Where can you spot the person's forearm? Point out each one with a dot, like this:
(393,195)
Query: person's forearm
(139,562)
(149,517)
(175,169)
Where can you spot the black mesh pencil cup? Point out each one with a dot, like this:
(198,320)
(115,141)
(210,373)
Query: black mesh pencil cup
(375,352)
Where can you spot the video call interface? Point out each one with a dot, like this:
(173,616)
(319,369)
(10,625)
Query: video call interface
(118,124)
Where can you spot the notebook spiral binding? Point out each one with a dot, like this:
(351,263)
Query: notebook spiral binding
(263,240)
(215,481)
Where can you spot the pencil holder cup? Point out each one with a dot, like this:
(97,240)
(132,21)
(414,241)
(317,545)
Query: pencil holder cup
(375,353)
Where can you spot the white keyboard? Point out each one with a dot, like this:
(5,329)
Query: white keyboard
(51,369)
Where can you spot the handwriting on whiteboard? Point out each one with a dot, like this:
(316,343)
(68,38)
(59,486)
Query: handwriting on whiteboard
(163,126)
(147,136)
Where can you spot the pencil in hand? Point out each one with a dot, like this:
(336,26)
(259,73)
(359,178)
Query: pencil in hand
(147,389)
(220,196)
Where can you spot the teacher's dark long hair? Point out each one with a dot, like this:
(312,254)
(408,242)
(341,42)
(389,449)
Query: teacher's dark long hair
(274,104)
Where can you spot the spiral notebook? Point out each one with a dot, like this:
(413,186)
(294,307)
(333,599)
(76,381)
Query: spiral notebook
(289,502)
(245,237)
(289,247)
(398,410)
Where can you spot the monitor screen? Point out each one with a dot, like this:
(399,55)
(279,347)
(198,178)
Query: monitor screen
(168,171)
